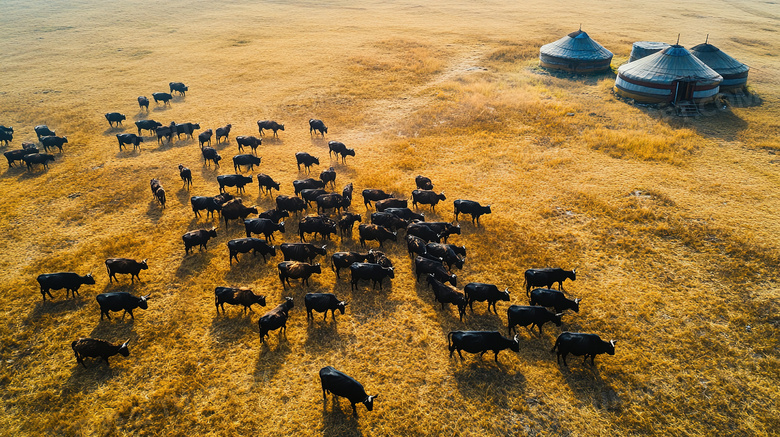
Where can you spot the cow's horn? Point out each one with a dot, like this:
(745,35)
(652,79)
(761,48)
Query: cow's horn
(516,336)
(144,260)
(612,342)
(574,271)
(148,296)
(506,290)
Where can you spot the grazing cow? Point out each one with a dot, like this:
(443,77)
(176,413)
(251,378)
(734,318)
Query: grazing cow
(133,139)
(233,180)
(443,229)
(297,270)
(347,192)
(125,266)
(546,277)
(249,160)
(370,195)
(244,245)
(186,176)
(303,252)
(120,300)
(209,154)
(405,213)
(470,207)
(390,221)
(445,252)
(143,103)
(554,299)
(328,175)
(70,281)
(481,292)
(52,142)
(210,204)
(316,224)
(328,201)
(205,137)
(342,260)
(164,132)
(223,132)
(235,210)
(115,117)
(262,226)
(266,183)
(162,97)
(306,184)
(198,237)
(6,136)
(577,344)
(178,87)
(43,131)
(290,203)
(275,319)
(274,214)
(427,197)
(322,302)
(460,250)
(248,141)
(310,194)
(419,229)
(187,129)
(236,296)
(370,271)
(317,125)
(37,158)
(307,161)
(375,232)
(530,315)
(416,245)
(270,125)
(480,342)
(340,384)
(96,348)
(149,125)
(18,155)
(445,294)
(392,202)
(338,148)
(158,191)
(423,183)
(347,222)
(424,266)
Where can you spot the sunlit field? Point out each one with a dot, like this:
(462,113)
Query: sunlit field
(671,222)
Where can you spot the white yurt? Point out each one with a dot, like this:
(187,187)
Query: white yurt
(575,52)
(641,49)
(671,75)
(734,72)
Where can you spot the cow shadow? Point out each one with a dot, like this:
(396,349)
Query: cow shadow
(484,379)
(154,211)
(323,336)
(114,130)
(14,172)
(141,114)
(183,196)
(161,108)
(586,381)
(272,356)
(272,141)
(128,153)
(55,307)
(319,141)
(338,420)
(231,327)
(197,261)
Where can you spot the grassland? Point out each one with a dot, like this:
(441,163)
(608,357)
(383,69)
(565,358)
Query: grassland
(672,223)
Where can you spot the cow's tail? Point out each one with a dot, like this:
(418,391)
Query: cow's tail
(527,288)
(449,340)
(108,270)
(557,343)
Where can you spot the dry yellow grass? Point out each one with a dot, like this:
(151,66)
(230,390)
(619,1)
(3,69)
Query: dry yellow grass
(671,223)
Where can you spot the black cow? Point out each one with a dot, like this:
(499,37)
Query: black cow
(262,226)
(460,250)
(427,197)
(143,103)
(375,232)
(307,184)
(233,180)
(424,266)
(342,260)
(235,210)
(70,281)
(133,139)
(115,117)
(405,213)
(370,271)
(416,245)
(236,296)
(443,229)
(445,294)
(554,299)
(209,154)
(471,207)
(297,270)
(423,183)
(390,221)
(347,222)
(339,148)
(223,132)
(178,87)
(275,319)
(480,342)
(379,257)
(162,97)
(37,158)
(158,191)
(328,176)
(43,131)
(546,277)
(335,201)
(340,384)
(270,125)
(149,125)
(322,302)
(274,214)
(481,292)
(199,237)
(210,204)
(205,137)
(248,141)
(125,266)
(118,301)
(249,160)
(96,348)
(187,129)
(370,195)
(307,161)
(347,192)
(446,253)
(316,224)
(310,194)
(304,252)
(6,136)
(266,183)
(530,315)
(392,202)
(52,142)
(186,176)
(290,203)
(165,132)
(419,229)
(18,155)
(244,245)
(577,344)
(317,125)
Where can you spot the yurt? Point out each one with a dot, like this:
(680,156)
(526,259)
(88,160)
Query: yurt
(671,75)
(734,72)
(575,52)
(642,49)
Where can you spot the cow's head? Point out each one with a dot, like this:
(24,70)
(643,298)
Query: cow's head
(321,250)
(260,300)
(281,227)
(144,266)
(390,272)
(88,279)
(515,344)
(369,402)
(573,275)
(212,232)
(123,350)
(505,295)
(316,268)
(611,348)
(341,306)
(142,302)
(556,318)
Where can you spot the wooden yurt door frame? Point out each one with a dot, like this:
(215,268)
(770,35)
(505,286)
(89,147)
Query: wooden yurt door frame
(683,90)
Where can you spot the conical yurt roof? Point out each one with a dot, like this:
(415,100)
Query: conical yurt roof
(576,45)
(670,64)
(718,61)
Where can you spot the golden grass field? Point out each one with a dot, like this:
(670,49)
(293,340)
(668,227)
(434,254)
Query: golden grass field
(672,223)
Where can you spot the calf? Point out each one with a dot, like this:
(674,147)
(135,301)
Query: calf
(223,132)
(37,158)
(347,222)
(328,176)
(248,141)
(405,213)
(205,137)
(70,281)
(423,183)
(424,266)
(158,191)
(338,148)
(244,245)
(392,202)
(342,260)
(306,184)
(133,139)
(236,296)
(118,301)
(186,176)
(480,342)
(297,270)
(546,277)
(162,97)
(43,131)
(448,294)
(95,348)
(211,204)
(322,302)
(53,141)
(577,344)
(115,117)
(210,154)
(245,159)
(316,224)
(480,292)
(554,299)
(143,103)
(370,195)
(427,197)
(274,214)
(18,155)
(262,226)
(266,183)
(390,221)
(328,201)
(471,207)
(149,125)
(304,252)
(270,125)
(317,125)
(530,315)
(275,319)
(370,271)
(198,237)
(290,203)
(178,87)
(233,180)
(235,210)
(340,384)
(416,245)
(125,266)
(446,253)
(307,161)
(187,129)
(375,232)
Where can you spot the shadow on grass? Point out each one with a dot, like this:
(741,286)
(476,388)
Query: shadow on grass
(323,336)
(55,307)
(273,354)
(154,210)
(487,381)
(586,382)
(114,130)
(231,327)
(340,420)
(197,261)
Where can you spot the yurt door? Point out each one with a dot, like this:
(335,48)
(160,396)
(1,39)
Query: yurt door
(683,90)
